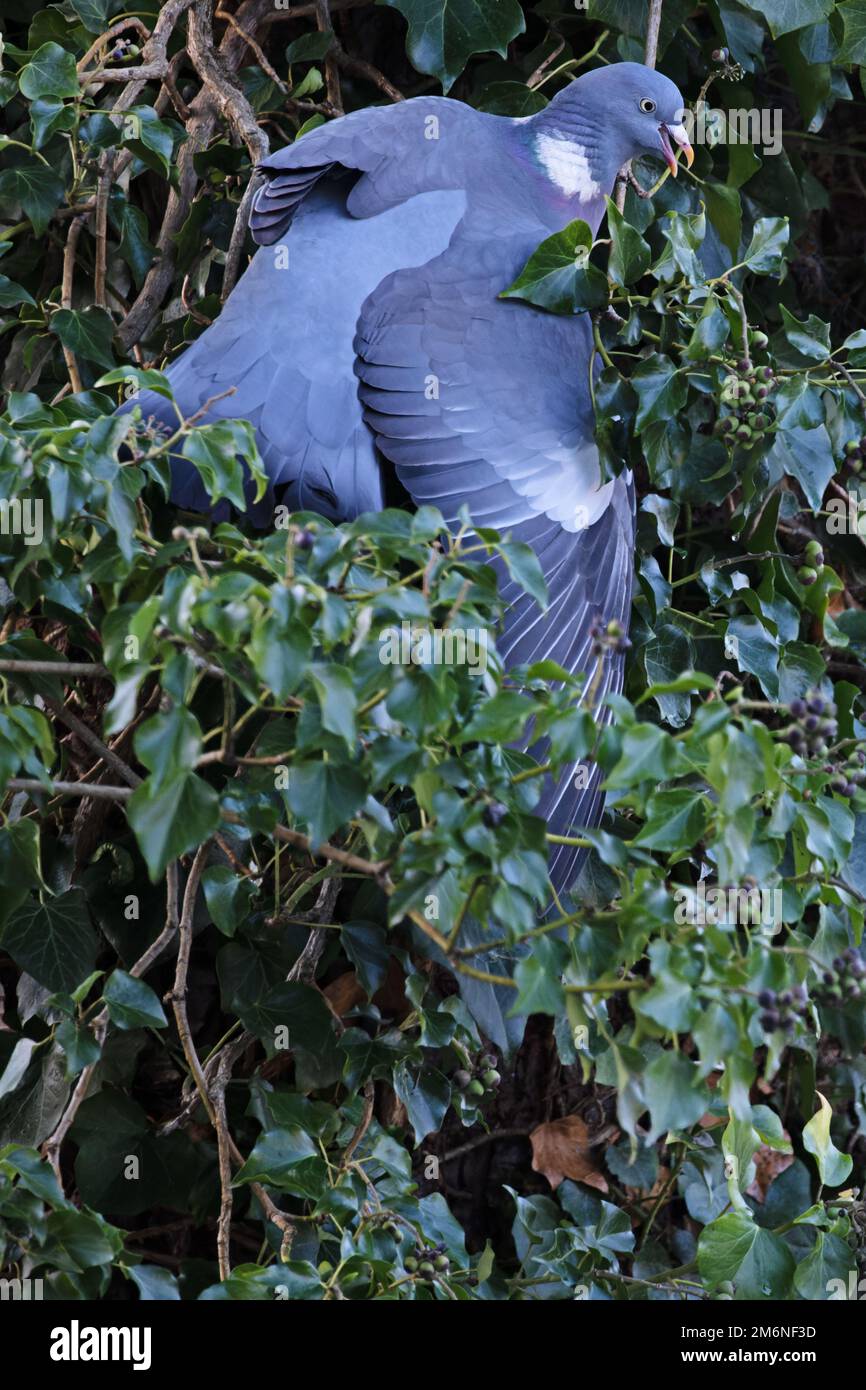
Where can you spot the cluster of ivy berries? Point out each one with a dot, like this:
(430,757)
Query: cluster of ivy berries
(494,814)
(482,1078)
(304,537)
(747,392)
(608,637)
(846,979)
(814,723)
(731,71)
(812,563)
(124,49)
(854,454)
(428,1262)
(781,1011)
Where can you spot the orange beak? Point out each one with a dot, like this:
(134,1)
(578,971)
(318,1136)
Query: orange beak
(680,135)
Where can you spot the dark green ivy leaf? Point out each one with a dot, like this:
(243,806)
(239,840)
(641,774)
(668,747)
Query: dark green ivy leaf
(53,940)
(558,275)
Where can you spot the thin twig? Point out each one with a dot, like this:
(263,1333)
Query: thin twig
(653,24)
(332,76)
(66,296)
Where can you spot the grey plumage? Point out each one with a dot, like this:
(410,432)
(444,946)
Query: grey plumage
(367,333)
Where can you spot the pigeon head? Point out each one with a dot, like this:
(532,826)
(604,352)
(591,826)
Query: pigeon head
(602,120)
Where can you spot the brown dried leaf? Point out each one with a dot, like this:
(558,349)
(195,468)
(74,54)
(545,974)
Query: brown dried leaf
(560,1149)
(769,1163)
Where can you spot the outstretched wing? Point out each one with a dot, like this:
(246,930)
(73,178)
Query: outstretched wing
(283,344)
(485,401)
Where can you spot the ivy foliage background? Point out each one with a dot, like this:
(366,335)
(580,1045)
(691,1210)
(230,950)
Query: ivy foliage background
(234,1059)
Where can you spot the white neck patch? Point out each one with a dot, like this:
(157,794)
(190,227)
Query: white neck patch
(566,164)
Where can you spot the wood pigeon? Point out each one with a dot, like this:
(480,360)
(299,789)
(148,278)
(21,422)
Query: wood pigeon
(367,339)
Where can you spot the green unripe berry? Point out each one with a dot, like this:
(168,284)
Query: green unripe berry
(475,1088)
(491,1077)
(813,551)
(807,575)
(410,1263)
(441,1262)
(852,447)
(760,340)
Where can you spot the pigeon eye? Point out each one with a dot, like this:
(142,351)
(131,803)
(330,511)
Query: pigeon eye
(647,104)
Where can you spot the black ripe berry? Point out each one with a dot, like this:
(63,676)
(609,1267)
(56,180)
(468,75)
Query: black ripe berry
(494,814)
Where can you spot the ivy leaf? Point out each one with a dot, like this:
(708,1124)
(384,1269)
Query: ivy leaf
(524,566)
(558,275)
(217,451)
(829,1259)
(765,250)
(131,1003)
(94,14)
(749,643)
(444,34)
(309,47)
(37,188)
(674,818)
(784,16)
(711,330)
(333,685)
(725,212)
(48,115)
(149,138)
(228,897)
(833,1165)
(757,1262)
(325,796)
(86,332)
(134,247)
(807,455)
(853,17)
(154,1284)
(11,294)
(660,388)
(674,1096)
(51,72)
(53,940)
(426,1094)
(276,1155)
(280,653)
(169,820)
(168,744)
(629,253)
(810,337)
(648,753)
(500,719)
